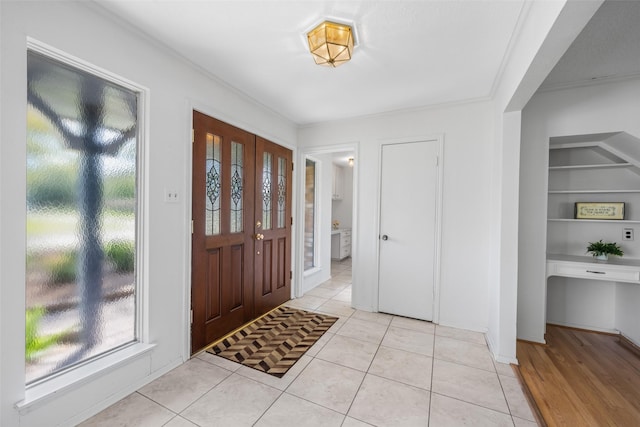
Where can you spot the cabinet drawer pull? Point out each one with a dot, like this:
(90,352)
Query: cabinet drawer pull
(596,272)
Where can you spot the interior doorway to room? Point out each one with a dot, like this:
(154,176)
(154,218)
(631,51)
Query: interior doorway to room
(328,231)
(241,235)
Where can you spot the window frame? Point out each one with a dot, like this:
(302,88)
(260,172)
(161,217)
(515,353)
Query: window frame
(316,215)
(98,365)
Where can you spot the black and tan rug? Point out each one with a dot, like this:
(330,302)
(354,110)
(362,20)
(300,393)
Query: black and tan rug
(275,342)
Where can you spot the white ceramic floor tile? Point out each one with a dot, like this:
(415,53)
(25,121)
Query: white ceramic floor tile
(519,422)
(178,421)
(352,422)
(363,330)
(185,384)
(461,334)
(322,341)
(237,401)
(409,340)
(344,276)
(381,318)
(518,404)
(383,402)
(132,411)
(403,366)
(323,292)
(344,295)
(334,284)
(446,412)
(464,352)
(349,352)
(219,361)
(327,384)
(340,308)
(290,410)
(413,324)
(504,369)
(272,381)
(472,385)
(309,302)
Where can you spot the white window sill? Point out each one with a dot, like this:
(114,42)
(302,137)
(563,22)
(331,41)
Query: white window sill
(311,271)
(42,392)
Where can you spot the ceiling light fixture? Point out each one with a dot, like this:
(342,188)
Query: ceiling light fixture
(351,161)
(331,43)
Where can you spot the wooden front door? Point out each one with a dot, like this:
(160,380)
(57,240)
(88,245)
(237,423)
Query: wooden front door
(273,225)
(240,267)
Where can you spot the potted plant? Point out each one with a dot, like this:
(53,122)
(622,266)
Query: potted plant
(601,250)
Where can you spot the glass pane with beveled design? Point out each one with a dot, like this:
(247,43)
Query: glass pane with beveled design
(282,191)
(213,185)
(237,184)
(309,214)
(267,196)
(81,192)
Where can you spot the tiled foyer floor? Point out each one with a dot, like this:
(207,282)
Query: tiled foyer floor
(368,369)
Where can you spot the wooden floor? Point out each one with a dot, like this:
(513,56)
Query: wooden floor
(582,378)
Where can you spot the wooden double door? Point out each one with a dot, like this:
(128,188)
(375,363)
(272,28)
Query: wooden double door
(241,239)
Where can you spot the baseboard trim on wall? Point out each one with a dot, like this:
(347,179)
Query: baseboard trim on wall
(629,345)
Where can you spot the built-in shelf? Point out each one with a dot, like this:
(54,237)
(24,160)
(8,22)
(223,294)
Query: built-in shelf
(591,191)
(618,221)
(600,166)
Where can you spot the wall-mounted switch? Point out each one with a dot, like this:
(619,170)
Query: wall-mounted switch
(171,196)
(627,234)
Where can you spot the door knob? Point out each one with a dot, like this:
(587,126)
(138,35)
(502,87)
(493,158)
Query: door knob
(385,237)
(259,236)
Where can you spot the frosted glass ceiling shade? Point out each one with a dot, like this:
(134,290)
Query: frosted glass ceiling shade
(331,44)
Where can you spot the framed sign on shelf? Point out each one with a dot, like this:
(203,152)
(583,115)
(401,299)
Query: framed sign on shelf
(599,210)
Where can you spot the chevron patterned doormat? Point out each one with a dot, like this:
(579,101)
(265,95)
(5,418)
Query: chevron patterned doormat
(275,342)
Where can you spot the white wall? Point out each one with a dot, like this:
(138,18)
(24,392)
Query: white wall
(174,87)
(467,132)
(545,31)
(592,109)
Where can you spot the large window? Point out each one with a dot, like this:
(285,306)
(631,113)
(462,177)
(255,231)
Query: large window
(82,157)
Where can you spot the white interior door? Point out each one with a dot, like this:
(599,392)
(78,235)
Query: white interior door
(408,206)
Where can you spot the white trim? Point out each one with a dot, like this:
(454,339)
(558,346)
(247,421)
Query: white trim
(49,386)
(438,221)
(52,387)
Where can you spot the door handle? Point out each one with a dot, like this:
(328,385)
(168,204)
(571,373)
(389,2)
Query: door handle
(385,237)
(259,236)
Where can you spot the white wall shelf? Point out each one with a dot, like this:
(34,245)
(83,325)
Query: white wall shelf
(605,221)
(595,166)
(592,191)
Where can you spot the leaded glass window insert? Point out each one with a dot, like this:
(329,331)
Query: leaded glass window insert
(267,168)
(309,214)
(213,185)
(237,177)
(282,191)
(81,214)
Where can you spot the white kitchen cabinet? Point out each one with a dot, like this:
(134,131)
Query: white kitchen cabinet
(337,183)
(340,244)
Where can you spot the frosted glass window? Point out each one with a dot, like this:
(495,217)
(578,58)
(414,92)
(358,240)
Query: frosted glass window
(237,185)
(82,150)
(309,214)
(282,191)
(213,185)
(267,196)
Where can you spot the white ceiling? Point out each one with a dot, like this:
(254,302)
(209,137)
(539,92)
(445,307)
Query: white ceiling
(410,53)
(607,48)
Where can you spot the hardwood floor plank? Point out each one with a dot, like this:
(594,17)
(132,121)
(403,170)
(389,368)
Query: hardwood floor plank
(582,378)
